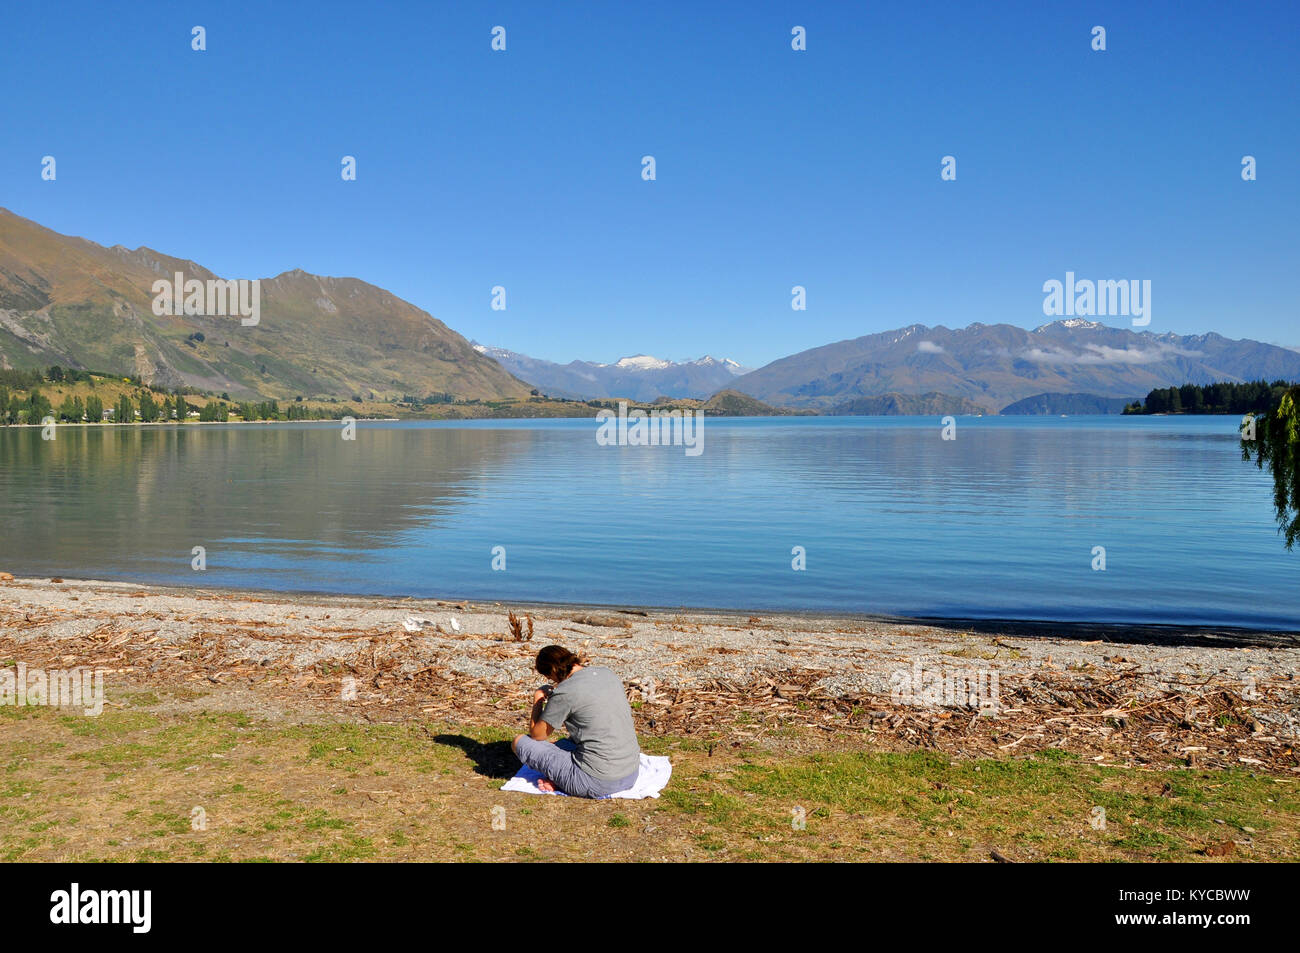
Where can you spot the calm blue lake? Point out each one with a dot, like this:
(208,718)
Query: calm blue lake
(1000,522)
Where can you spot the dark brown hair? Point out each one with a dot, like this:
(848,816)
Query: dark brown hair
(556,662)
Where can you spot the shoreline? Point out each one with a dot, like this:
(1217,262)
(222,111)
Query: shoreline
(790,412)
(206,423)
(1164,703)
(1153,633)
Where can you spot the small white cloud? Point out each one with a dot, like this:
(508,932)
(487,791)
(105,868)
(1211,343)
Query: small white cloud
(929,347)
(1101,354)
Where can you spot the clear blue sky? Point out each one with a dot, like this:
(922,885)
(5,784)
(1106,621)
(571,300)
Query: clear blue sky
(775,167)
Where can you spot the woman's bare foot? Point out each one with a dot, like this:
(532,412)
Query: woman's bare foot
(545,785)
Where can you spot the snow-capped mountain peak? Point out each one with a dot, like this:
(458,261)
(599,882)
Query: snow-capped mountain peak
(639,377)
(642,362)
(708,360)
(1072,324)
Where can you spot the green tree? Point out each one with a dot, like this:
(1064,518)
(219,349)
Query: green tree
(1277,443)
(94,409)
(149,409)
(38,407)
(124,413)
(214,411)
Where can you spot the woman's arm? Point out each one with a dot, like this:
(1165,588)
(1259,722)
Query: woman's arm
(539,730)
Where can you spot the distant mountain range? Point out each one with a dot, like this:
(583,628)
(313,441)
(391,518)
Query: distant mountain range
(71,302)
(640,377)
(995,366)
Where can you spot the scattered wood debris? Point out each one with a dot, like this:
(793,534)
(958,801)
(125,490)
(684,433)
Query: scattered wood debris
(1111,717)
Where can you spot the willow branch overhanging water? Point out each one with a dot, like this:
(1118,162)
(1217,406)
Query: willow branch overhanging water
(1276,442)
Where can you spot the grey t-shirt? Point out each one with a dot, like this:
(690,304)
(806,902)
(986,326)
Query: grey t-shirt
(591,706)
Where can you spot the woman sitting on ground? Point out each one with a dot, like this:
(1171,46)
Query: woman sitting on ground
(601,755)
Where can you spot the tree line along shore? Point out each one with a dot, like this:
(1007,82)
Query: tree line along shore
(30,397)
(1228,397)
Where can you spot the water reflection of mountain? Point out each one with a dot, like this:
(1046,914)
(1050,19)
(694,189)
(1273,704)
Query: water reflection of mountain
(143,494)
(1028,459)
(1039,477)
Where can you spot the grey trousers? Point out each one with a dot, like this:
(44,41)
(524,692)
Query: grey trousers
(555,763)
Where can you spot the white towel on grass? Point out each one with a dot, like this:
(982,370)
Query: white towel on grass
(653,777)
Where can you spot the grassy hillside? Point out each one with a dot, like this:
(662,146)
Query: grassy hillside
(71,302)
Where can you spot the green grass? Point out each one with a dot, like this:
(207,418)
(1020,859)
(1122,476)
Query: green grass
(1042,801)
(122,787)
